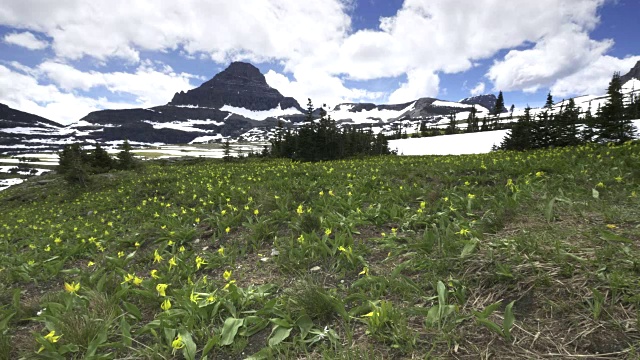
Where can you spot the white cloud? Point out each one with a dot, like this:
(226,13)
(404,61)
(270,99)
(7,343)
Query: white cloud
(323,89)
(149,85)
(314,42)
(478,89)
(594,78)
(26,40)
(420,83)
(554,57)
(59,101)
(251,29)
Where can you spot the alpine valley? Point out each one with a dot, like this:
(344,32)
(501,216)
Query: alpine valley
(238,104)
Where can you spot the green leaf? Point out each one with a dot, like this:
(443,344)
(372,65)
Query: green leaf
(132,309)
(442,293)
(229,330)
(126,332)
(433,318)
(488,310)
(4,322)
(509,318)
(490,325)
(189,349)
(278,334)
(609,236)
(469,248)
(281,322)
(548,211)
(98,340)
(210,344)
(305,324)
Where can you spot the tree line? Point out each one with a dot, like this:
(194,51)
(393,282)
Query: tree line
(322,140)
(76,164)
(610,123)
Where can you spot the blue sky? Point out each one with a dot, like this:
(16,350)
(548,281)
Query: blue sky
(64,60)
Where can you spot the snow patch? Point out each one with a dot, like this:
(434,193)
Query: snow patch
(260,115)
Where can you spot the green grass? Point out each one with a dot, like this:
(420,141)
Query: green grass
(517,255)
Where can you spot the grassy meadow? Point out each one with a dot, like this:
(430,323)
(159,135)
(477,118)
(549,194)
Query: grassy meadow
(503,255)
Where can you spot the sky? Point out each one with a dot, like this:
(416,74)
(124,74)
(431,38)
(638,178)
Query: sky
(63,59)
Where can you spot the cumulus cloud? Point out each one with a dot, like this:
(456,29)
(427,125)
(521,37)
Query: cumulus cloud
(51,89)
(324,89)
(315,43)
(26,40)
(592,79)
(420,83)
(223,29)
(478,89)
(554,57)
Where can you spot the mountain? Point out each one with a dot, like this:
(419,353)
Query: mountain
(634,73)
(424,109)
(20,131)
(233,102)
(487,101)
(240,85)
(238,103)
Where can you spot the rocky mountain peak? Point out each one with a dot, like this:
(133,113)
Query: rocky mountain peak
(239,85)
(487,101)
(633,73)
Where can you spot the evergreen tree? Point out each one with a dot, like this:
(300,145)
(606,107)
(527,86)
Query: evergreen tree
(101,160)
(519,137)
(126,161)
(567,125)
(588,133)
(73,164)
(613,124)
(451,129)
(497,109)
(226,147)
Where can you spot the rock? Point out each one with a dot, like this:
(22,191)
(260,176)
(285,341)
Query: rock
(487,101)
(634,73)
(239,85)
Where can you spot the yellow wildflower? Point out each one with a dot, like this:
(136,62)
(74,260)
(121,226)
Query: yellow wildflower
(172,262)
(166,305)
(194,297)
(177,343)
(128,278)
(71,288)
(226,275)
(156,257)
(199,262)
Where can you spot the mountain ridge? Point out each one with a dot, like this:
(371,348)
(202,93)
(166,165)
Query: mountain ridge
(236,103)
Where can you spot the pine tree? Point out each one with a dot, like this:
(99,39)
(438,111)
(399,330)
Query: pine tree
(226,148)
(567,125)
(519,137)
(614,125)
(101,160)
(126,161)
(451,129)
(73,165)
(497,109)
(588,133)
